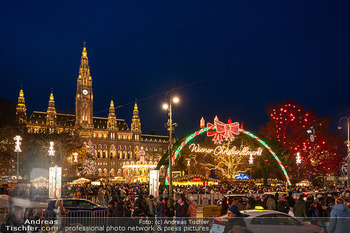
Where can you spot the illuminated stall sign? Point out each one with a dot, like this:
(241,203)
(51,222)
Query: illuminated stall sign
(55,176)
(154,182)
(223,150)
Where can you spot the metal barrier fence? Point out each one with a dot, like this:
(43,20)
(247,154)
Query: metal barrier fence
(201,199)
(261,224)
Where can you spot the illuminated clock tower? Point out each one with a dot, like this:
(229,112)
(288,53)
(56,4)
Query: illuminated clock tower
(84,98)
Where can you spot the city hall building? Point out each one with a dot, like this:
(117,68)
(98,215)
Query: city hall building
(120,150)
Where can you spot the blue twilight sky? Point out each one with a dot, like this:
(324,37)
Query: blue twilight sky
(227,58)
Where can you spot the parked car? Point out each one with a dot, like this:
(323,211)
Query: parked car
(280,194)
(268,221)
(242,200)
(81,208)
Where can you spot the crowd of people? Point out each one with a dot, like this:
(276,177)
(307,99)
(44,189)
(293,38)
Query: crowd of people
(132,200)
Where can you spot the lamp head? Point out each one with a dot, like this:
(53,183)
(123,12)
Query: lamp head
(339,127)
(176,99)
(165,106)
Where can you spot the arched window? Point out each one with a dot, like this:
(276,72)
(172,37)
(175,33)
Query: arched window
(99,172)
(105,172)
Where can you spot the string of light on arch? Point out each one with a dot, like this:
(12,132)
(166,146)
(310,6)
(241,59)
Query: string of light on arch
(212,127)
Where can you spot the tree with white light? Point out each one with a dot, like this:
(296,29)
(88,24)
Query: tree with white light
(89,165)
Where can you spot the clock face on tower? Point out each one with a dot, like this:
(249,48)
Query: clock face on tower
(85,92)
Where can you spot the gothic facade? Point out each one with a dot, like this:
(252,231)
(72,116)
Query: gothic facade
(120,150)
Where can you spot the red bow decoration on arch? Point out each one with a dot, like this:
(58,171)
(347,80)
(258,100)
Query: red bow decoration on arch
(223,130)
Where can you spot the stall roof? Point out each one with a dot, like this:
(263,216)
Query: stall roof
(191,176)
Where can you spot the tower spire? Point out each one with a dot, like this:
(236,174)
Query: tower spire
(112,119)
(21,109)
(84,97)
(51,114)
(84,52)
(136,124)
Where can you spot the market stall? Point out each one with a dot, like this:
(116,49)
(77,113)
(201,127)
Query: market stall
(80,181)
(194,180)
(40,182)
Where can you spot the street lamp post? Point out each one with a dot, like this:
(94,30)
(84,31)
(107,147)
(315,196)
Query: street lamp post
(18,140)
(168,107)
(348,149)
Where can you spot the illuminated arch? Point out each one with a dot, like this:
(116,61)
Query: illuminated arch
(206,129)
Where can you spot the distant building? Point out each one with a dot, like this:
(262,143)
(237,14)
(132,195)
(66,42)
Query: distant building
(113,142)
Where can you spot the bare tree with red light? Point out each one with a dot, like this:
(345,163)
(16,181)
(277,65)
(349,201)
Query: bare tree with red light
(301,130)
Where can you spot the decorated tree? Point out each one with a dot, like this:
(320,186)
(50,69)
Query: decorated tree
(89,165)
(301,130)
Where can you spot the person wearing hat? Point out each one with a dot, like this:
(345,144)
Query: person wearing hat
(235,221)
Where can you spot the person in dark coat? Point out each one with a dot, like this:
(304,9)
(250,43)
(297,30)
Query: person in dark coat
(299,209)
(251,203)
(224,206)
(180,214)
(290,200)
(180,208)
(235,222)
(340,218)
(110,209)
(127,205)
(283,205)
(118,208)
(170,211)
(140,205)
(161,208)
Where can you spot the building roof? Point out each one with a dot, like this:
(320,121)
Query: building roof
(101,123)
(68,120)
(154,138)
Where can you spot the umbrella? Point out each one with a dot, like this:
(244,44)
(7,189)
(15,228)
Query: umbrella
(6,201)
